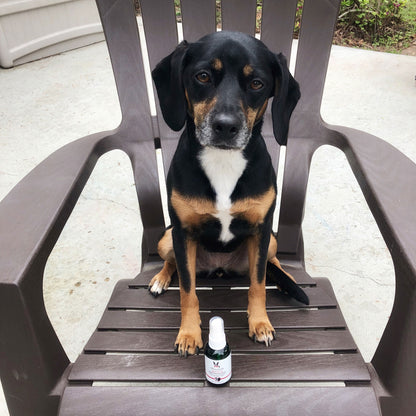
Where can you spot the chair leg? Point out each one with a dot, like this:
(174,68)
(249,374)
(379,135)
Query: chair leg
(36,360)
(394,359)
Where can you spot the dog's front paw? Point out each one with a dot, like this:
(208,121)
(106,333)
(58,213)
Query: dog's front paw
(189,341)
(261,330)
(159,284)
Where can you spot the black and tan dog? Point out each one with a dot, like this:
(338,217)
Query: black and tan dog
(221,183)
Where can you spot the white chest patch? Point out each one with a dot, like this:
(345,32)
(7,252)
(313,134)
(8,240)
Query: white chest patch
(223,169)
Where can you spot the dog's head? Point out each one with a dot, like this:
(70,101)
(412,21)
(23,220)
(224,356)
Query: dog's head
(223,83)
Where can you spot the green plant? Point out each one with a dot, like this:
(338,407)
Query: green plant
(372,20)
(373,23)
(299,10)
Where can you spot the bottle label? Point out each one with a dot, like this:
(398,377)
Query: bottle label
(218,371)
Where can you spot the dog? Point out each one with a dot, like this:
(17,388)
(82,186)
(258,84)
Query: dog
(221,183)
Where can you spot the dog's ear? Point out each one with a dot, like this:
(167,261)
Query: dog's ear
(168,80)
(286,96)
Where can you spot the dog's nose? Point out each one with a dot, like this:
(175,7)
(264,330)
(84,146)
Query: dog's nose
(225,126)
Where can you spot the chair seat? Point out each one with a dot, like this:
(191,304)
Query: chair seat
(314,365)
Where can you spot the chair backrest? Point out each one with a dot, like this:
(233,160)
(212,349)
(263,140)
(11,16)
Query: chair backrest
(140,130)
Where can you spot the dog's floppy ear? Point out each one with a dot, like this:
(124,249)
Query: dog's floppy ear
(286,96)
(168,80)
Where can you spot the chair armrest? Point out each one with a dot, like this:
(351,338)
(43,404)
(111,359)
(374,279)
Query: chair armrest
(388,180)
(32,217)
(36,209)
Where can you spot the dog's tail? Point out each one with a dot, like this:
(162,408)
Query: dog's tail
(286,284)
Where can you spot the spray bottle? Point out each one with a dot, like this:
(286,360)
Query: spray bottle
(217,353)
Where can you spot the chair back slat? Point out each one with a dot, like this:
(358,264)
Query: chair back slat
(135,134)
(127,61)
(307,132)
(313,51)
(239,15)
(160,27)
(277,23)
(198,19)
(161,32)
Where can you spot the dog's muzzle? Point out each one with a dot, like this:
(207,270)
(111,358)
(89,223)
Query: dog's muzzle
(224,130)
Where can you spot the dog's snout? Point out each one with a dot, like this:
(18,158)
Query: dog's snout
(226,126)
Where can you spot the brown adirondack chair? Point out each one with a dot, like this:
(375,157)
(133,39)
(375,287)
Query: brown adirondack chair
(134,350)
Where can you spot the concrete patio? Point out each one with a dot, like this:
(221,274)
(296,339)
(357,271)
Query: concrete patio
(48,103)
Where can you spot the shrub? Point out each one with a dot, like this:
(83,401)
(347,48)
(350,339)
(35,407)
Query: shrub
(368,22)
(374,21)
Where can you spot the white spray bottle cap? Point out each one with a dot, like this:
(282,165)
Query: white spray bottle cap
(216,333)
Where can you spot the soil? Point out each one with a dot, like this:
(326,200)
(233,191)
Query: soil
(411,50)
(355,42)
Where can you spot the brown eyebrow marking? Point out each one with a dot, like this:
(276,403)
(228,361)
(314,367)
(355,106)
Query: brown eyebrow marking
(248,70)
(217,64)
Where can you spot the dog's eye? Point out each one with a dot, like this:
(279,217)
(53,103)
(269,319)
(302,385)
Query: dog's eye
(203,77)
(256,84)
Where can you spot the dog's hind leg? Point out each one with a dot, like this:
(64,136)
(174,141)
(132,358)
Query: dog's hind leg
(271,256)
(285,281)
(161,281)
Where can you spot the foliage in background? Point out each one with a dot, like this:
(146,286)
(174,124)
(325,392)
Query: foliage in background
(389,24)
(376,22)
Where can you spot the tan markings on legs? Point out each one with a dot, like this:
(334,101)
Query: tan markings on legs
(189,339)
(165,247)
(161,281)
(271,256)
(260,328)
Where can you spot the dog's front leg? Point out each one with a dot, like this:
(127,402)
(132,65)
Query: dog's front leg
(260,328)
(189,340)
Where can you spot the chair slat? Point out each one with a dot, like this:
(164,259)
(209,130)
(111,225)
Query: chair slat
(290,367)
(136,320)
(277,23)
(143,157)
(313,54)
(244,20)
(218,299)
(161,42)
(163,341)
(235,401)
(135,132)
(278,18)
(306,130)
(127,61)
(159,14)
(198,19)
